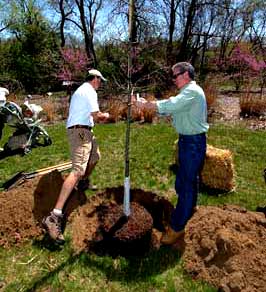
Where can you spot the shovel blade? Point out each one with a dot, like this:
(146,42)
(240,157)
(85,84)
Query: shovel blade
(14,181)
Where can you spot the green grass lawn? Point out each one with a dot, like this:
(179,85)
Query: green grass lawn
(34,268)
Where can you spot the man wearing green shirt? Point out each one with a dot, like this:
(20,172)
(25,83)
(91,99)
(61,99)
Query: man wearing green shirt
(188,110)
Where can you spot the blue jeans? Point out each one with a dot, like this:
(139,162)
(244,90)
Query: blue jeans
(191,155)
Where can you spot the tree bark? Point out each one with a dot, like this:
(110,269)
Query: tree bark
(172,19)
(183,54)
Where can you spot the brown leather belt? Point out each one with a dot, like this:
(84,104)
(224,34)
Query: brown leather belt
(80,127)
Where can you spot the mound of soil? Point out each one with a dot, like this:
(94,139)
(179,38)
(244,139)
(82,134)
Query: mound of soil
(23,208)
(17,223)
(226,246)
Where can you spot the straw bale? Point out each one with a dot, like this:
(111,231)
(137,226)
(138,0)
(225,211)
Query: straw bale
(218,170)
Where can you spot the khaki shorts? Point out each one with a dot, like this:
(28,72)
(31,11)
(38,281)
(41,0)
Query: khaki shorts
(84,149)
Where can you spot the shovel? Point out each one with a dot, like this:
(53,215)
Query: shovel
(22,176)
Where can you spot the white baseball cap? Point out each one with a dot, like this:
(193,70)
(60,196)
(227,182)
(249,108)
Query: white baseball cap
(97,73)
(3,93)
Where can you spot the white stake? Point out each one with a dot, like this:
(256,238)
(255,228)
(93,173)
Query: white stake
(126,205)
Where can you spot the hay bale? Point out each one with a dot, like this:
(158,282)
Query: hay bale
(218,171)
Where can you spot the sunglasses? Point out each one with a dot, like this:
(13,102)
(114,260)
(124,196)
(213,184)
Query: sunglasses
(177,74)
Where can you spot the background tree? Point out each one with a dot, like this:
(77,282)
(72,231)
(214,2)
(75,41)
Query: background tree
(88,11)
(166,31)
(169,11)
(4,23)
(33,50)
(73,66)
(65,8)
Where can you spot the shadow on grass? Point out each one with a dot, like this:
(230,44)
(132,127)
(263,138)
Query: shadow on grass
(130,269)
(134,269)
(47,243)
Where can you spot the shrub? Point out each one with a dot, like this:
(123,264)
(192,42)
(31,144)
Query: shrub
(211,93)
(242,65)
(116,109)
(49,111)
(252,105)
(11,84)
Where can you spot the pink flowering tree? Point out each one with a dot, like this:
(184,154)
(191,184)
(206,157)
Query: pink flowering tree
(74,65)
(243,67)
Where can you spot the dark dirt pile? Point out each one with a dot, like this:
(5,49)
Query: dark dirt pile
(99,225)
(133,227)
(122,235)
(226,246)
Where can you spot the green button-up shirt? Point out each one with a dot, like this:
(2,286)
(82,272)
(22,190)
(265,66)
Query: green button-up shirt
(188,110)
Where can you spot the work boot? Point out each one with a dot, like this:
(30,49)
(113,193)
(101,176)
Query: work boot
(171,236)
(84,184)
(53,225)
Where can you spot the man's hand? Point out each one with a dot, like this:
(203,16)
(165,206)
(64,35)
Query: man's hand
(139,102)
(100,117)
(103,116)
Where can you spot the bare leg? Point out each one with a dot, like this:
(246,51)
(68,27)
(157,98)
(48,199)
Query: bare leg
(66,189)
(53,222)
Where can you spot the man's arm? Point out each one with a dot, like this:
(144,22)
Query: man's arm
(143,104)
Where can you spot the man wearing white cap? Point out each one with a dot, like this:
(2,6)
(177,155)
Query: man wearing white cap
(83,112)
(3,93)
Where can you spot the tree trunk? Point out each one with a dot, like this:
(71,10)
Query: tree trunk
(183,54)
(62,23)
(169,49)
